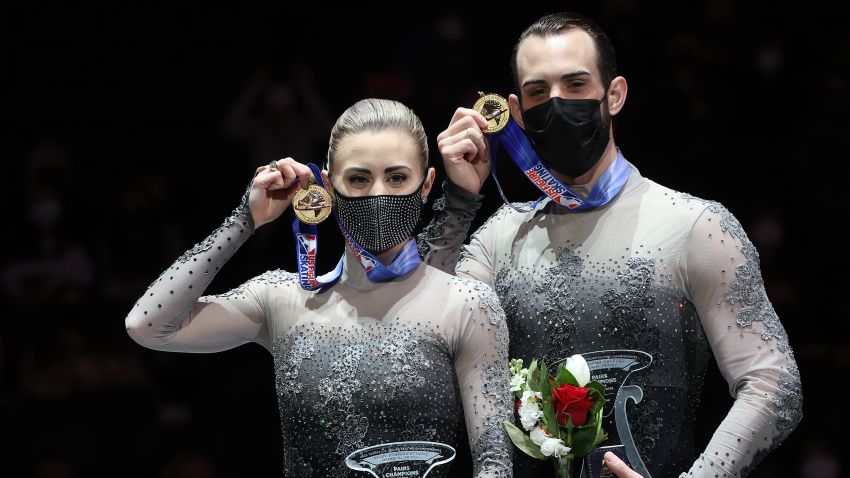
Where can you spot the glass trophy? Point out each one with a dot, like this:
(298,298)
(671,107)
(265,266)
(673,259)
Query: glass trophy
(407,459)
(594,463)
(612,368)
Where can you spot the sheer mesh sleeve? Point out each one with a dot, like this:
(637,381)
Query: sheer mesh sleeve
(441,240)
(478,259)
(172,315)
(481,364)
(721,269)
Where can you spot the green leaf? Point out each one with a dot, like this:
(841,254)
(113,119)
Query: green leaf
(533,379)
(523,441)
(550,419)
(584,439)
(601,436)
(598,398)
(544,370)
(565,376)
(598,387)
(546,392)
(545,383)
(596,407)
(600,433)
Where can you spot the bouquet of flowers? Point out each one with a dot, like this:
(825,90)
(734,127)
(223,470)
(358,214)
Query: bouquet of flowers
(562,413)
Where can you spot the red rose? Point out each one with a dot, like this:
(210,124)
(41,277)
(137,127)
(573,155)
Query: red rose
(571,401)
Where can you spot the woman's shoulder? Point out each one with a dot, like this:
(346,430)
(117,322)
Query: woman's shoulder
(465,290)
(272,280)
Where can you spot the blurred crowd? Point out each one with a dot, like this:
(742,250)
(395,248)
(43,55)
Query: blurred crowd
(123,150)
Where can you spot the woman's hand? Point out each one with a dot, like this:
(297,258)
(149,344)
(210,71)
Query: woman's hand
(273,188)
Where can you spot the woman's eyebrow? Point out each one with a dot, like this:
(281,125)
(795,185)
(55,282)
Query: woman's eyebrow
(394,168)
(355,169)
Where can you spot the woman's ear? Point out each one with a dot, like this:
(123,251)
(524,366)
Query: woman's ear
(329,187)
(430,177)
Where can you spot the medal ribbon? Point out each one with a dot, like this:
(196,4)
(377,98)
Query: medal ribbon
(513,138)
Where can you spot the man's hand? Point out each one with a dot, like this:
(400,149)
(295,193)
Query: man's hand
(618,467)
(464,150)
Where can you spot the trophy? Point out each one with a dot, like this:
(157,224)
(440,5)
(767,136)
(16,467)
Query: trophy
(612,368)
(409,459)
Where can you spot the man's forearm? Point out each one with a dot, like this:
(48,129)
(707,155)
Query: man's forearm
(441,240)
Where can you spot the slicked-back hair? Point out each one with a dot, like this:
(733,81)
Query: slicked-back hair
(557,23)
(375,115)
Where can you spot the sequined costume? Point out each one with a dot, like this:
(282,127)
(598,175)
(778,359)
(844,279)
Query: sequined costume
(358,365)
(656,271)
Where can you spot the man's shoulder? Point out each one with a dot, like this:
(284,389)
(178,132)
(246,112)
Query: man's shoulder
(672,203)
(511,215)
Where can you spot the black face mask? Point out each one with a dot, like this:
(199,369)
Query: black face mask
(380,222)
(568,135)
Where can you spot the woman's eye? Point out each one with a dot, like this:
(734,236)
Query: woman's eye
(358,181)
(397,179)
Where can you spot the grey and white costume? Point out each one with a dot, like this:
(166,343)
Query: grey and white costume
(656,271)
(358,365)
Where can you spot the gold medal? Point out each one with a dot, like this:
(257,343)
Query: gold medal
(494,109)
(312,205)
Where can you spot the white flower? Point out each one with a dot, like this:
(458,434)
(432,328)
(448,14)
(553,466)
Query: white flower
(529,410)
(530,394)
(518,380)
(529,414)
(516,383)
(554,447)
(526,395)
(578,367)
(515,366)
(538,435)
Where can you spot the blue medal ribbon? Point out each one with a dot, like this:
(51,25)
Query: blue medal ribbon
(515,142)
(307,245)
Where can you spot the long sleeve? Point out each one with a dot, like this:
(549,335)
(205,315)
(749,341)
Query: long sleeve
(481,364)
(478,258)
(441,240)
(721,270)
(172,315)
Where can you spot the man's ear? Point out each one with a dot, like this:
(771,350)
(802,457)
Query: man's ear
(617,92)
(516,110)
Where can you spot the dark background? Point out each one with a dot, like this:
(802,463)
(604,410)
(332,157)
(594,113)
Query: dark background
(123,144)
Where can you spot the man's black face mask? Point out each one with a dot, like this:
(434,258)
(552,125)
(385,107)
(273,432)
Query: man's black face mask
(568,135)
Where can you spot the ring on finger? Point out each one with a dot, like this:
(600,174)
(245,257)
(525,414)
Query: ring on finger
(273,166)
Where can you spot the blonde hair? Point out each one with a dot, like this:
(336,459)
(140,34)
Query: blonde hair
(374,114)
